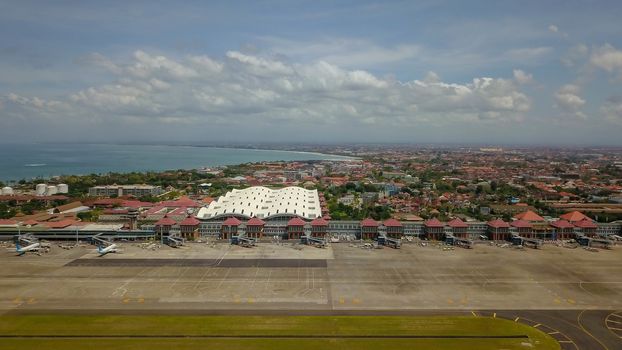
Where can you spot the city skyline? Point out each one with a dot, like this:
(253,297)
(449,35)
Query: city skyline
(524,73)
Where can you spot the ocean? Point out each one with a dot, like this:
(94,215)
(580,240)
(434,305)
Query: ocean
(29,161)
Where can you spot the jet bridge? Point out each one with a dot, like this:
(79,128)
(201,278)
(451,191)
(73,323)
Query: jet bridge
(314,241)
(29,243)
(104,244)
(173,240)
(527,242)
(595,242)
(459,242)
(243,240)
(395,243)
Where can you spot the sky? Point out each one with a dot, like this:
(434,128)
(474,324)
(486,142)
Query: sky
(468,72)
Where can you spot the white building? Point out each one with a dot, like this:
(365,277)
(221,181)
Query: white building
(264,203)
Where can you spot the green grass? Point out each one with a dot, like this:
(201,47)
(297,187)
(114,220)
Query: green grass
(331,328)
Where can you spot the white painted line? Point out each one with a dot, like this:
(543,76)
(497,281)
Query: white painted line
(537,325)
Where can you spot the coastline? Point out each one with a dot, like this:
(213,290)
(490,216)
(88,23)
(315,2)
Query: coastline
(48,160)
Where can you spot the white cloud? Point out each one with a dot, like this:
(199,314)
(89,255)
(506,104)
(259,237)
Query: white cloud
(245,89)
(529,54)
(575,55)
(344,52)
(608,58)
(567,99)
(612,109)
(555,29)
(521,77)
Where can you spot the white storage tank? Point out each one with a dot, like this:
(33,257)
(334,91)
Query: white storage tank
(40,189)
(7,191)
(63,188)
(51,190)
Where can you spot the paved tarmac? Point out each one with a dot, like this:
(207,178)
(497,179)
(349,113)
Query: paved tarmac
(572,294)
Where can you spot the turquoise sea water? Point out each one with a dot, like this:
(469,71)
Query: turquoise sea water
(46,160)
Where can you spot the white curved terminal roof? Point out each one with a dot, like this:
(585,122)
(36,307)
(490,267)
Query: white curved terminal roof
(264,202)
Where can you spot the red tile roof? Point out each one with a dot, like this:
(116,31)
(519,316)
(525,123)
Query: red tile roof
(392,223)
(561,224)
(59,224)
(137,204)
(457,223)
(319,222)
(369,223)
(108,201)
(585,223)
(498,223)
(521,224)
(434,222)
(190,221)
(529,216)
(574,216)
(181,202)
(7,222)
(296,222)
(166,221)
(232,221)
(255,222)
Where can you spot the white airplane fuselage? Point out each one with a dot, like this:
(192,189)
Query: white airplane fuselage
(32,247)
(105,250)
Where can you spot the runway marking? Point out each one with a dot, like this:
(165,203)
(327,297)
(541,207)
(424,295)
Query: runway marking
(250,300)
(341,301)
(224,278)
(474,314)
(356,301)
(516,319)
(126,300)
(587,332)
(494,315)
(537,325)
(567,339)
(196,285)
(31,301)
(571,301)
(614,330)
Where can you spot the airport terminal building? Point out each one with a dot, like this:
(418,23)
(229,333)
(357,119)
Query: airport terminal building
(293,212)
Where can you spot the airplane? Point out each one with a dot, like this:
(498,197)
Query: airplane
(108,249)
(29,248)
